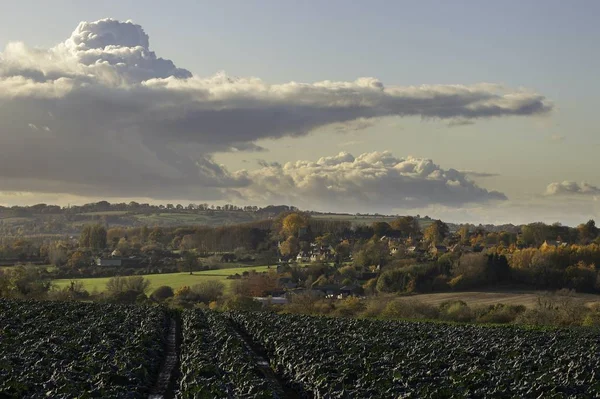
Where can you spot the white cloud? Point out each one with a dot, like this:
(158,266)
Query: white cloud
(571,188)
(375,180)
(126,122)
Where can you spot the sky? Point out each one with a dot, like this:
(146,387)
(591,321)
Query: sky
(481,112)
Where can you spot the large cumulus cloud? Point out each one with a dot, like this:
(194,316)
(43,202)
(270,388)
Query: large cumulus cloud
(571,188)
(102,114)
(375,180)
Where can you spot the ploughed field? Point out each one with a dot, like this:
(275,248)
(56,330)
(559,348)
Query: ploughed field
(88,350)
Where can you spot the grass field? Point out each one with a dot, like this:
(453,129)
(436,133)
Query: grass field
(173,280)
(365,220)
(481,298)
(105,213)
(209,219)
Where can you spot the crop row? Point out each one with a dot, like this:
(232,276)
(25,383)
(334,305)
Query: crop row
(348,358)
(217,363)
(84,350)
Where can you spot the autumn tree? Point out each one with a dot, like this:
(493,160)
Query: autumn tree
(289,247)
(292,223)
(93,236)
(436,232)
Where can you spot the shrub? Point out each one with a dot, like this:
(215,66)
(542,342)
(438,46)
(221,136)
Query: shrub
(118,285)
(499,313)
(161,293)
(208,290)
(457,311)
(400,308)
(350,306)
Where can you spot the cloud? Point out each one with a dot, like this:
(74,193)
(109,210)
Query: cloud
(571,188)
(471,173)
(375,180)
(126,122)
(460,122)
(354,125)
(350,143)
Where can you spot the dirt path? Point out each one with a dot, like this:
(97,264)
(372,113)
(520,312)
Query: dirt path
(165,384)
(285,389)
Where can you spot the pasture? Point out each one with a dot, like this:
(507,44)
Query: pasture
(173,280)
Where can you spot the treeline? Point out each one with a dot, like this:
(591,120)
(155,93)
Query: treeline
(105,206)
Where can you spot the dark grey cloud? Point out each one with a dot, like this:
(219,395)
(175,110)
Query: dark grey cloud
(101,114)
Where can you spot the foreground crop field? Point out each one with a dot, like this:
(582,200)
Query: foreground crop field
(83,350)
(68,350)
(362,359)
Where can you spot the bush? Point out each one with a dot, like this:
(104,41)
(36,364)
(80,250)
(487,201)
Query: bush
(499,313)
(559,309)
(161,293)
(119,285)
(408,309)
(374,307)
(208,291)
(457,311)
(349,307)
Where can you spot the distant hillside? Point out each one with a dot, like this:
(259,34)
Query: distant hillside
(50,220)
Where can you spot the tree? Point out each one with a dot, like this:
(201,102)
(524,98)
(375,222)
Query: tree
(161,293)
(373,253)
(436,232)
(289,247)
(587,231)
(156,235)
(84,237)
(57,254)
(292,224)
(207,291)
(381,229)
(407,226)
(188,262)
(470,270)
(78,259)
(463,232)
(93,236)
(98,237)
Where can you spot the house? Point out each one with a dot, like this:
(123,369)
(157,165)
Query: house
(349,290)
(286,283)
(109,262)
(461,249)
(119,262)
(227,258)
(553,243)
(303,257)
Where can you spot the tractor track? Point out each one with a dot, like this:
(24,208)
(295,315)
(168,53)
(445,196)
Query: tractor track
(164,388)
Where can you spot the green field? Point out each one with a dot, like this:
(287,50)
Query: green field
(365,219)
(173,280)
